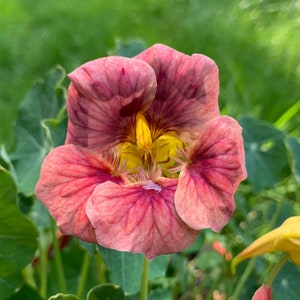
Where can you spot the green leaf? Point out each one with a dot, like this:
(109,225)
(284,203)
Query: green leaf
(293,146)
(6,162)
(128,49)
(89,247)
(286,284)
(266,155)
(46,100)
(18,236)
(158,266)
(26,293)
(63,297)
(9,284)
(160,294)
(126,268)
(57,129)
(106,291)
(39,215)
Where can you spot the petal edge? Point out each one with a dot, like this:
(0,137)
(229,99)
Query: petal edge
(69,175)
(207,182)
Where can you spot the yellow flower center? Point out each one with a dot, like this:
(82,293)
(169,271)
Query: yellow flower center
(149,151)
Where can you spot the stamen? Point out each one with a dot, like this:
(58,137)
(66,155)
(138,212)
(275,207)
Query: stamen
(153,153)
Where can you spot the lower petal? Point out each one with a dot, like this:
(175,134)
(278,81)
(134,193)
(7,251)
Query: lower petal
(215,167)
(68,177)
(139,218)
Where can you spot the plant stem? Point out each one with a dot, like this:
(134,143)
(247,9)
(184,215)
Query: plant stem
(243,279)
(144,279)
(58,261)
(43,251)
(276,270)
(83,274)
(100,268)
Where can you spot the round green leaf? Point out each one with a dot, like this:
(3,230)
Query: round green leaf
(158,266)
(286,285)
(128,49)
(46,100)
(130,264)
(125,268)
(160,294)
(9,285)
(26,293)
(266,155)
(106,291)
(18,236)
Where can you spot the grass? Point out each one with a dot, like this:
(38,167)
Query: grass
(255,43)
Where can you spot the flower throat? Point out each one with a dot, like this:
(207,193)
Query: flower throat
(149,152)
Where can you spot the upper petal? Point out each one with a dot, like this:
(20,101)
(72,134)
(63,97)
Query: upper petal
(139,218)
(69,175)
(103,99)
(187,89)
(215,167)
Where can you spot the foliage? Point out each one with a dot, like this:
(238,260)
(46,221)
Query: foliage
(255,43)
(258,85)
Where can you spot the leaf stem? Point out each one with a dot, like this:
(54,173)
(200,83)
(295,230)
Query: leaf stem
(144,279)
(276,270)
(83,274)
(43,266)
(100,268)
(243,279)
(58,261)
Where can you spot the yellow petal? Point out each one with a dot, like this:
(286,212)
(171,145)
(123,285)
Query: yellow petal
(289,240)
(143,134)
(130,156)
(262,245)
(285,238)
(165,148)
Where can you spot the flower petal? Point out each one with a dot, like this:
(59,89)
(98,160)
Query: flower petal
(285,238)
(69,176)
(264,244)
(215,167)
(139,218)
(187,89)
(263,293)
(103,99)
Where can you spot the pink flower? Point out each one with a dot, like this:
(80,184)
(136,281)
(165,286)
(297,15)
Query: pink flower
(263,293)
(148,160)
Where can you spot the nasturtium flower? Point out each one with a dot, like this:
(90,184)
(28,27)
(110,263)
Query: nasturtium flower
(148,161)
(263,293)
(285,238)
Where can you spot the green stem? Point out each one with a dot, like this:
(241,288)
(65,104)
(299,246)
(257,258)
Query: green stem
(276,270)
(100,268)
(243,279)
(144,280)
(43,266)
(58,261)
(83,274)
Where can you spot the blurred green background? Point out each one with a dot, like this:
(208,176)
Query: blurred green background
(255,44)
